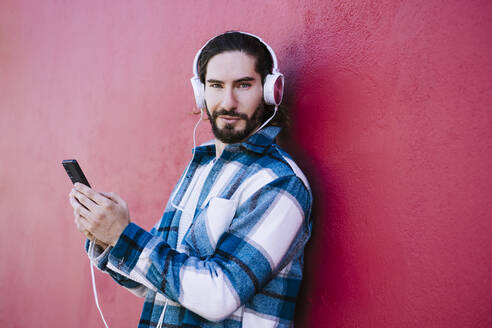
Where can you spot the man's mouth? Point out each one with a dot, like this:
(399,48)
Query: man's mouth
(229,119)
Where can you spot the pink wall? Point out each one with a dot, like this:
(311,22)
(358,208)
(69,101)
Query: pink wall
(392,123)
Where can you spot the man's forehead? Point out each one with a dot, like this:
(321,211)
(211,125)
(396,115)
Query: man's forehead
(231,65)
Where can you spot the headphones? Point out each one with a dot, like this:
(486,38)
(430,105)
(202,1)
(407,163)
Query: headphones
(273,91)
(273,86)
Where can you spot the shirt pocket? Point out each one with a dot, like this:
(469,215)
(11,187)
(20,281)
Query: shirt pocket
(211,222)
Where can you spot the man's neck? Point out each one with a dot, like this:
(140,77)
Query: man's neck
(219,148)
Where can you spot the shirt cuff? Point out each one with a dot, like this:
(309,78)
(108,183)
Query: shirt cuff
(100,256)
(124,255)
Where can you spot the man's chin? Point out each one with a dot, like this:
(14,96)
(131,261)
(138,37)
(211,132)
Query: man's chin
(230,136)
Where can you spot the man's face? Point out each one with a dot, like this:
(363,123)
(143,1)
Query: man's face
(234,96)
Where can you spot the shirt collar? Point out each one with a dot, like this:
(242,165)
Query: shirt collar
(261,140)
(258,142)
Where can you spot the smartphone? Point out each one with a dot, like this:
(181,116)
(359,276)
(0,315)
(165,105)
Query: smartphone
(75,172)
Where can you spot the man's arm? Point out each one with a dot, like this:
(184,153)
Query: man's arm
(270,228)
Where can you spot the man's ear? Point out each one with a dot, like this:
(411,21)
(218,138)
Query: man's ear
(195,110)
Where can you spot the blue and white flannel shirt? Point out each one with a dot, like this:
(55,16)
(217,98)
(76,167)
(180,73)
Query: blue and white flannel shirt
(243,253)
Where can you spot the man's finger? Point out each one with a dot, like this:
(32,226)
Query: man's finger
(90,193)
(82,229)
(86,232)
(81,224)
(79,209)
(88,235)
(85,201)
(108,195)
(75,202)
(114,197)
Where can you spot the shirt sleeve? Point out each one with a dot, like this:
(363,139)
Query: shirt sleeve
(100,258)
(269,229)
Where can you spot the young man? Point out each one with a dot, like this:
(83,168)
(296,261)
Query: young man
(228,251)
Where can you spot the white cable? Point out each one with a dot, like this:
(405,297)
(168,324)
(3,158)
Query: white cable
(266,122)
(189,164)
(91,255)
(161,318)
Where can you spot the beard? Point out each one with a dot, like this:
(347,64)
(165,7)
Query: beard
(227,134)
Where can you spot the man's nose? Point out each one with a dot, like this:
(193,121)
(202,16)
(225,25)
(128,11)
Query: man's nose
(229,101)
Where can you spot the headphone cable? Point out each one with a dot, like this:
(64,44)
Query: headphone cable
(91,255)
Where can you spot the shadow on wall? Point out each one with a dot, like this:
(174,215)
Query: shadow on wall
(309,97)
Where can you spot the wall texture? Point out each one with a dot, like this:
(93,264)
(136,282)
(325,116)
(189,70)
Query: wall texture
(391,122)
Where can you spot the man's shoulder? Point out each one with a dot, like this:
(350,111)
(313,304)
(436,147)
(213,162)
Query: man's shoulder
(288,165)
(279,164)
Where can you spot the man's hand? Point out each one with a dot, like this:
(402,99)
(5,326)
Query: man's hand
(102,216)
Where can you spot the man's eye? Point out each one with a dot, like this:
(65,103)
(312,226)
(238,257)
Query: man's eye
(244,85)
(215,85)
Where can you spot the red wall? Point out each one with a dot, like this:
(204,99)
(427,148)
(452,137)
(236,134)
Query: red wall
(392,124)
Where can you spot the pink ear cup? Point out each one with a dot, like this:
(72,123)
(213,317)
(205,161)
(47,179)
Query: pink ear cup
(273,89)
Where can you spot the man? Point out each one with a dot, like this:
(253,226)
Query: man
(228,250)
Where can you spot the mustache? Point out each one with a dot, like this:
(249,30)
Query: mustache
(232,113)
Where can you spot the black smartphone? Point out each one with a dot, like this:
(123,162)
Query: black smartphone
(75,172)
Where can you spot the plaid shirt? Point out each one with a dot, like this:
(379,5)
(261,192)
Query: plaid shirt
(240,262)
